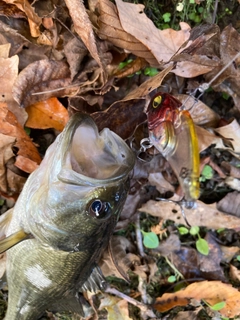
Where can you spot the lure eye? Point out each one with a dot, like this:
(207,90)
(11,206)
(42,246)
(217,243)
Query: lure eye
(156,101)
(98,209)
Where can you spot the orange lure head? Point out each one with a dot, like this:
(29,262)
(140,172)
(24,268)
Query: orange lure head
(172,132)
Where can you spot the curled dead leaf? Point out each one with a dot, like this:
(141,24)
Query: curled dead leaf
(42,76)
(211,291)
(83,27)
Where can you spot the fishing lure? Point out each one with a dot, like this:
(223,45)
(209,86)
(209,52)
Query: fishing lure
(172,133)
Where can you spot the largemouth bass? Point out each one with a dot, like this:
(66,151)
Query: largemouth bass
(63,220)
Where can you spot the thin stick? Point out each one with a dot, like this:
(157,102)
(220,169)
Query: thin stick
(134,302)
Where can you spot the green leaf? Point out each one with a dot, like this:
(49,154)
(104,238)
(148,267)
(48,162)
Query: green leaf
(218,306)
(183,230)
(27,130)
(238,258)
(172,279)
(220,230)
(150,240)
(207,172)
(194,230)
(150,71)
(166,17)
(202,246)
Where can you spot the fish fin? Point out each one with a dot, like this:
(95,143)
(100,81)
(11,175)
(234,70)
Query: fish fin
(5,220)
(13,239)
(95,282)
(74,302)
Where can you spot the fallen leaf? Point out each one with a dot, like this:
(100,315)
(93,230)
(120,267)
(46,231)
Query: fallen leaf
(44,77)
(117,308)
(33,19)
(228,253)
(83,27)
(111,29)
(210,264)
(163,44)
(47,114)
(231,132)
(230,203)
(234,273)
(25,147)
(8,75)
(156,179)
(196,216)
(201,114)
(211,291)
(122,117)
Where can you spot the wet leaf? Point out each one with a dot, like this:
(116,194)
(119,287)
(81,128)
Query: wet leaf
(46,76)
(212,291)
(47,114)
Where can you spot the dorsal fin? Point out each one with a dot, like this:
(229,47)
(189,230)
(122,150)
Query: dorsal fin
(13,239)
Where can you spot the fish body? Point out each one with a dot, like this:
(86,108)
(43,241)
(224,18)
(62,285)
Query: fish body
(172,132)
(65,215)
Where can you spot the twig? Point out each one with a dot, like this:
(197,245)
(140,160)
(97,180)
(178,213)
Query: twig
(134,302)
(215,11)
(139,236)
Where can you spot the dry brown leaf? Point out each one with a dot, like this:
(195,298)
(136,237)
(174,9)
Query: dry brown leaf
(8,74)
(230,203)
(203,215)
(83,27)
(201,114)
(156,179)
(234,273)
(211,291)
(148,86)
(231,132)
(228,253)
(111,29)
(47,114)
(163,44)
(10,127)
(117,308)
(42,76)
(206,138)
(33,19)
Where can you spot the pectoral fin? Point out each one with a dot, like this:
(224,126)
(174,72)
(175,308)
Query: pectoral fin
(13,239)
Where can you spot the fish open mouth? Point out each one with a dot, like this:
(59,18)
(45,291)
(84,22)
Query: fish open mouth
(96,155)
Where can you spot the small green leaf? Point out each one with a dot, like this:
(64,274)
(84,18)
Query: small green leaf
(207,172)
(218,306)
(220,230)
(172,279)
(27,130)
(150,240)
(166,17)
(183,230)
(194,230)
(150,71)
(202,246)
(238,258)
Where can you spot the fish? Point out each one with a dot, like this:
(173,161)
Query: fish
(172,133)
(63,220)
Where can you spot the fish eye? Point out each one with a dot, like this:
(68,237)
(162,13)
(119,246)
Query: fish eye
(98,209)
(156,101)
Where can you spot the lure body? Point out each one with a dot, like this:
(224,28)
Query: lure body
(172,132)
(67,210)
